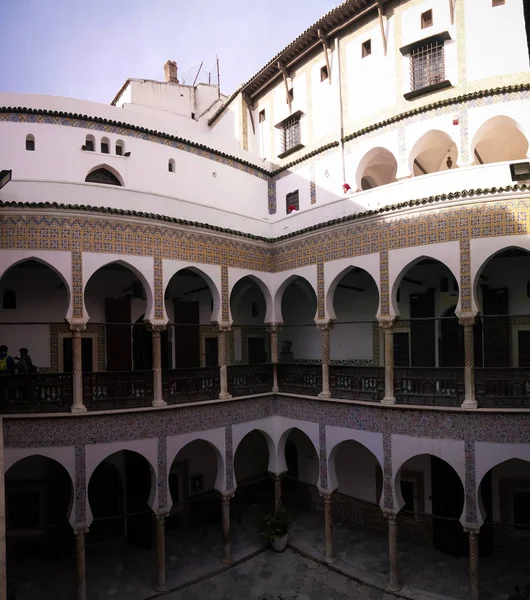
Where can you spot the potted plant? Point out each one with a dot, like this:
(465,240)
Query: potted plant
(274,528)
(521,595)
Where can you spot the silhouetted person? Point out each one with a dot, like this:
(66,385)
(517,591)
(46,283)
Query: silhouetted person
(7,363)
(24,364)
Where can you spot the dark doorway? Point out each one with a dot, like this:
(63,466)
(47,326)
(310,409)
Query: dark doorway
(187,334)
(118,336)
(143,347)
(495,327)
(422,331)
(401,349)
(291,459)
(256,351)
(447,504)
(211,351)
(523,341)
(451,341)
(86,355)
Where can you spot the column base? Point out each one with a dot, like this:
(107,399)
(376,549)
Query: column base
(325,395)
(275,389)
(161,588)
(388,401)
(330,561)
(77,410)
(159,403)
(224,396)
(469,405)
(396,588)
(227,562)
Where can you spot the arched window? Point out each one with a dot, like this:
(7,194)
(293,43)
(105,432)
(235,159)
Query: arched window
(102,175)
(90,143)
(105,146)
(30,143)
(171,165)
(120,148)
(9,301)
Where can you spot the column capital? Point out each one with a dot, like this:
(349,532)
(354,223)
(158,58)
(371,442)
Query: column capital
(80,528)
(226,496)
(326,495)
(77,327)
(386,322)
(324,326)
(224,327)
(156,327)
(390,515)
(162,513)
(277,475)
(466,320)
(473,528)
(274,327)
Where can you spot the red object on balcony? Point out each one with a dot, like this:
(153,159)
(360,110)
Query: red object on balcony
(291,208)
(346,188)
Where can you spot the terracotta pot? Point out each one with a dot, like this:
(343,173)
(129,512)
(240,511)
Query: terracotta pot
(279,544)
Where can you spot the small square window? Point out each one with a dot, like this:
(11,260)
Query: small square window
(324,73)
(498,2)
(292,202)
(89,146)
(367,48)
(290,94)
(104,148)
(262,116)
(30,145)
(426,19)
(119,151)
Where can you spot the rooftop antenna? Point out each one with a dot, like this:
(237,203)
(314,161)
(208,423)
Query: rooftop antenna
(218,77)
(196,76)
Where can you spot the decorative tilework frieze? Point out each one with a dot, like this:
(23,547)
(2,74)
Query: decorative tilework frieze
(321,301)
(312,184)
(229,453)
(271,195)
(322,452)
(388,489)
(225,300)
(470,490)
(384,283)
(162,471)
(77,283)
(80,483)
(465,275)
(159,289)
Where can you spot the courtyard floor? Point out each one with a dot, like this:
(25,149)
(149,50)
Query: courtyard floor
(127,573)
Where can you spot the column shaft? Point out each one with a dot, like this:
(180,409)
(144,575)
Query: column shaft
(158,399)
(328,528)
(389,397)
(227,548)
(326,358)
(277,492)
(474,590)
(80,562)
(393,577)
(77,370)
(470,400)
(222,355)
(273,330)
(161,583)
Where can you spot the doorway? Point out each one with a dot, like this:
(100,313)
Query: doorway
(211,351)
(187,334)
(87,355)
(422,332)
(256,351)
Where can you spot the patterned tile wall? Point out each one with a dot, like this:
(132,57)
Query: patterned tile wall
(159,289)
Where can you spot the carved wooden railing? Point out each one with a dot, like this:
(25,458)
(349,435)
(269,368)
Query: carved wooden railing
(114,390)
(432,386)
(245,380)
(357,383)
(190,385)
(502,387)
(35,393)
(300,379)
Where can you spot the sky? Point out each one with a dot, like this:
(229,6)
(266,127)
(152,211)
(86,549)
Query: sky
(88,48)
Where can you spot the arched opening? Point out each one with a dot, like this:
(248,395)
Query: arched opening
(195,519)
(90,143)
(103,175)
(36,301)
(300,347)
(499,139)
(120,148)
(377,167)
(356,355)
(30,142)
(248,307)
(434,151)
(433,500)
(105,145)
(39,538)
(119,493)
(255,488)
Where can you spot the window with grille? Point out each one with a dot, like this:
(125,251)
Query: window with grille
(291,133)
(292,202)
(427,65)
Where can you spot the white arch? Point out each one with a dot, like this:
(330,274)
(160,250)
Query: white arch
(141,266)
(404,448)
(210,273)
(284,428)
(264,426)
(335,270)
(59,262)
(262,280)
(370,440)
(432,149)
(498,139)
(106,166)
(97,453)
(379,164)
(285,279)
(485,249)
(400,261)
(214,438)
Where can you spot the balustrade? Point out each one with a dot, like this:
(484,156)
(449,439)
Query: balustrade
(357,383)
(190,385)
(35,392)
(115,390)
(502,387)
(245,380)
(429,386)
(300,379)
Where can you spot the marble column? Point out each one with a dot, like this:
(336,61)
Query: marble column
(470,400)
(328,527)
(158,398)
(389,398)
(77,370)
(393,576)
(325,329)
(225,511)
(160,535)
(3,569)
(473,532)
(222,348)
(273,330)
(80,531)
